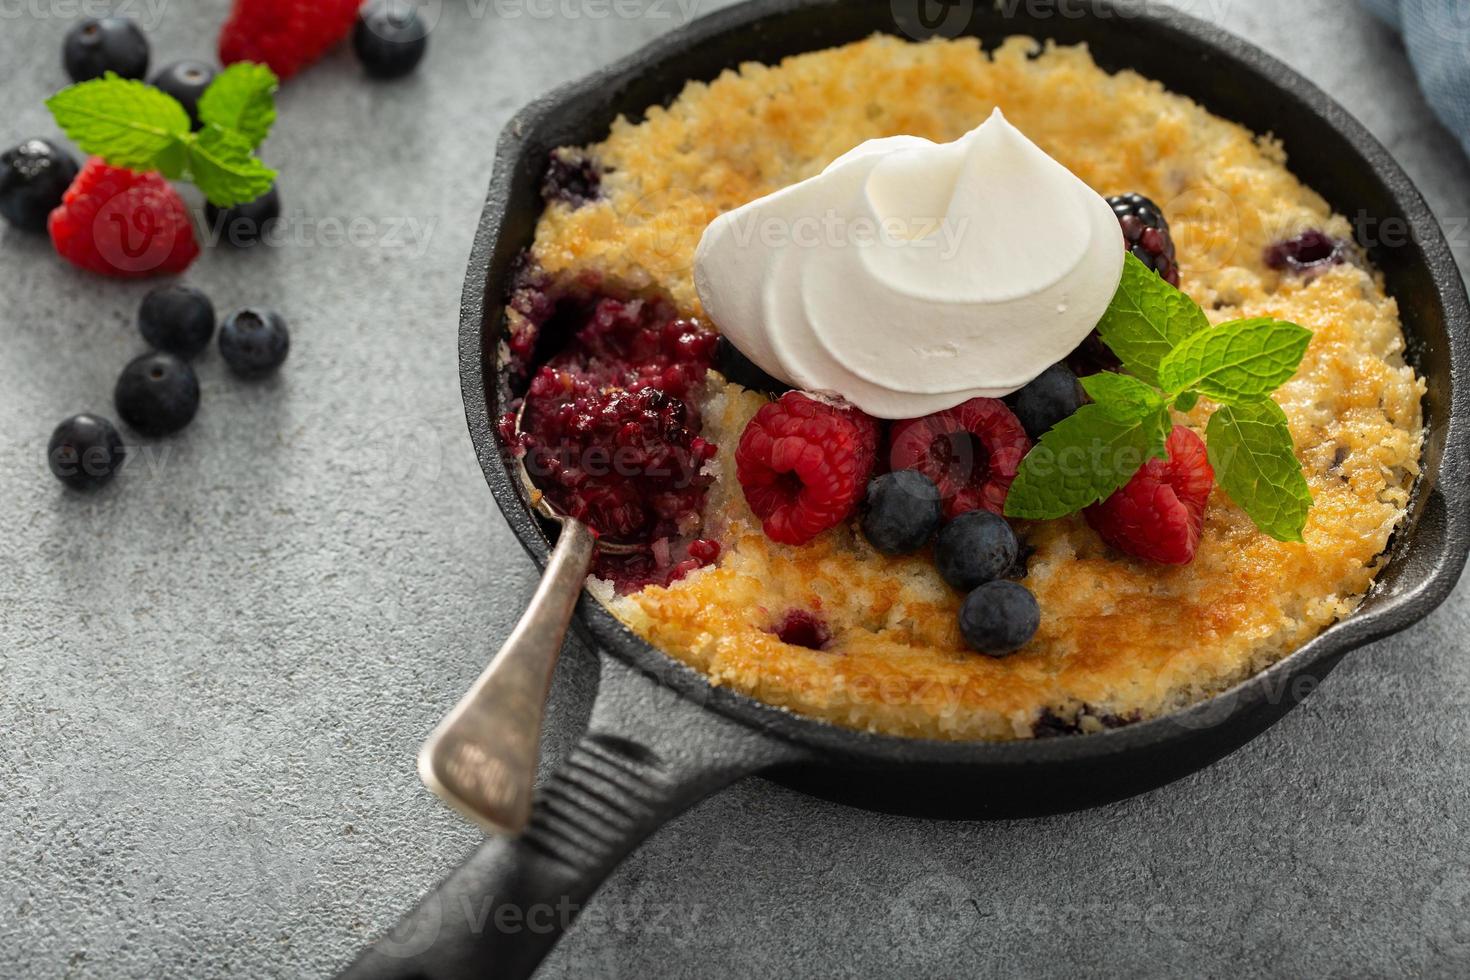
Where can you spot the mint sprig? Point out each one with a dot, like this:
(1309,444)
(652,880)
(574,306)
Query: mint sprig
(133,125)
(1174,357)
(242,99)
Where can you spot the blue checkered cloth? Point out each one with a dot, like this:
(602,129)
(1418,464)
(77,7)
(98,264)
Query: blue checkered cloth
(1437,36)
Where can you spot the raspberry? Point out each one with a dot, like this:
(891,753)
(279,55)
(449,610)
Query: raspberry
(119,223)
(288,35)
(1159,515)
(971,452)
(1146,234)
(804,465)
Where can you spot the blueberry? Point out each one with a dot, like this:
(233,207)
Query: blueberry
(741,370)
(185,81)
(902,512)
(389,38)
(244,224)
(33,177)
(177,319)
(254,341)
(85,452)
(975,548)
(98,45)
(1052,397)
(157,394)
(999,618)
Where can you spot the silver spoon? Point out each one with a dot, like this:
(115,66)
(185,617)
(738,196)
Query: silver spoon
(482,757)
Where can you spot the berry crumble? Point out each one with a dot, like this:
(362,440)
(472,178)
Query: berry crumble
(876,572)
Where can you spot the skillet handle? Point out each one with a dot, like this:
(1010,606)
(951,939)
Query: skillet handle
(649,753)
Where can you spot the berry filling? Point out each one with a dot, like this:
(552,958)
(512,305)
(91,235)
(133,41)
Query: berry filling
(799,628)
(971,452)
(609,431)
(572,178)
(1309,254)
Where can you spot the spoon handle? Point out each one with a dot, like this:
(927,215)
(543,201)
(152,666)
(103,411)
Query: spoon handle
(482,758)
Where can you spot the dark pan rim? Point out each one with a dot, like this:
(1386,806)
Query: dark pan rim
(1446,555)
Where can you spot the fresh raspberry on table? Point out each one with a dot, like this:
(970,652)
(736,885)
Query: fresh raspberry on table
(971,452)
(804,465)
(287,35)
(120,223)
(1160,514)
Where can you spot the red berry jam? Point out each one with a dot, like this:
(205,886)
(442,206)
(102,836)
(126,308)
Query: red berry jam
(800,628)
(610,432)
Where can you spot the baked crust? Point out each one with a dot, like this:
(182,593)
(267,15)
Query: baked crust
(1119,639)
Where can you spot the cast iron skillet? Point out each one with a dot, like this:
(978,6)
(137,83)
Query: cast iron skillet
(662,738)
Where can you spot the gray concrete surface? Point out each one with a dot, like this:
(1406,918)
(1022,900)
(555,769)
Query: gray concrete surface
(214,675)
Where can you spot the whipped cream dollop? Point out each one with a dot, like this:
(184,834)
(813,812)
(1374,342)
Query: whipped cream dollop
(910,276)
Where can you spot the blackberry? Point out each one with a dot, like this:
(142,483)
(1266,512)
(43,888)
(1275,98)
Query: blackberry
(1146,234)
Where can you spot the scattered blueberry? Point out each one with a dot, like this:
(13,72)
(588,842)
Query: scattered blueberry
(999,618)
(1308,254)
(1052,397)
(254,341)
(158,394)
(741,370)
(85,452)
(33,177)
(975,548)
(97,45)
(177,319)
(389,38)
(185,81)
(244,224)
(902,512)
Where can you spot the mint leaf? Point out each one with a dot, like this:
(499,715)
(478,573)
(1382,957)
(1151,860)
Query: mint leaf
(223,168)
(126,123)
(1147,319)
(1255,463)
(242,99)
(1236,362)
(1085,458)
(1121,395)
